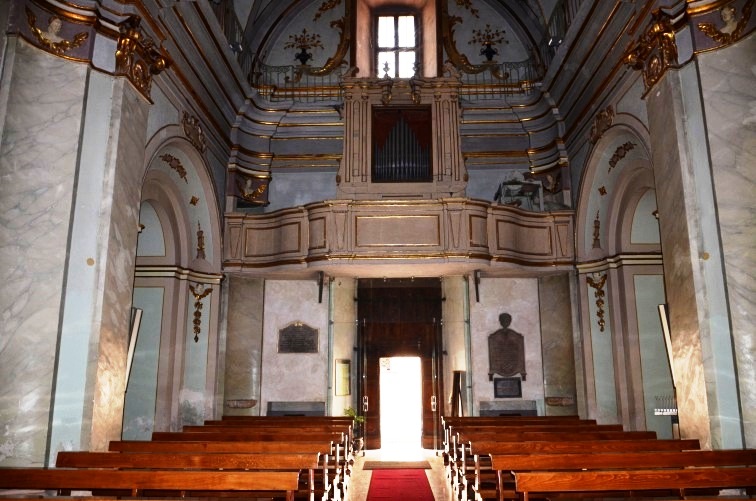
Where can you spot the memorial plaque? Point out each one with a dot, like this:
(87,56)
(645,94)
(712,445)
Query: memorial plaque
(298,338)
(506,351)
(507,387)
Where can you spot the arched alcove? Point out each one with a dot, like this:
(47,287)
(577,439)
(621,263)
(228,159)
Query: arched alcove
(621,281)
(177,268)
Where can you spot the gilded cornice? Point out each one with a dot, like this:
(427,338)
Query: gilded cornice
(655,51)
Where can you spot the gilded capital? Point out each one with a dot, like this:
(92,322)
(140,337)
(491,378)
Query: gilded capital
(655,51)
(137,57)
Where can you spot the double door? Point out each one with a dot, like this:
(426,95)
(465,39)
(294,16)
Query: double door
(400,318)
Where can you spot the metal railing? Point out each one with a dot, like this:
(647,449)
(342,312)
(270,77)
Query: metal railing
(231,27)
(295,83)
(502,80)
(561,19)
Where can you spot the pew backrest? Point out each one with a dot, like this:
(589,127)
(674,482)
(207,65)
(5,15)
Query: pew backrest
(543,483)
(137,482)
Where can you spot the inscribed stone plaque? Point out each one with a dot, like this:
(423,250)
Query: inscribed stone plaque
(507,387)
(298,338)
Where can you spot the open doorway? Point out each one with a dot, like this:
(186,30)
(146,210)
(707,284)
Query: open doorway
(400,318)
(401,412)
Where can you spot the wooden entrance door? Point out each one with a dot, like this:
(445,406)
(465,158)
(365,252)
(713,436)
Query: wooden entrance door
(400,317)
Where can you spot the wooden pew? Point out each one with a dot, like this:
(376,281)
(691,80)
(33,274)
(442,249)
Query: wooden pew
(338,475)
(449,422)
(309,463)
(637,482)
(506,464)
(281,419)
(154,482)
(461,439)
(342,455)
(469,472)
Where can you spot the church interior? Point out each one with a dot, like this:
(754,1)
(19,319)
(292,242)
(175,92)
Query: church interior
(259,207)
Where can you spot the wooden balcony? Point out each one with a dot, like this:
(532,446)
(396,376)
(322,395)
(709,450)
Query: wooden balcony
(399,238)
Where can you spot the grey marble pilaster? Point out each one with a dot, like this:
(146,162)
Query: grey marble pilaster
(244,345)
(728,81)
(38,154)
(556,346)
(701,339)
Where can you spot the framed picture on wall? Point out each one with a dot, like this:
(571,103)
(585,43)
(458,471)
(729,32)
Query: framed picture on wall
(343,379)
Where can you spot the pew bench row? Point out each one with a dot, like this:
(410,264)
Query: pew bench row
(279,459)
(577,459)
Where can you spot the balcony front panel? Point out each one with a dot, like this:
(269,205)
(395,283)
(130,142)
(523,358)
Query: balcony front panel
(436,236)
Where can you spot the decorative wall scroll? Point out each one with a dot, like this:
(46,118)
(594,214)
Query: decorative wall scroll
(298,338)
(620,153)
(137,57)
(458,60)
(193,131)
(655,51)
(199,294)
(601,123)
(50,39)
(325,7)
(467,4)
(175,164)
(598,286)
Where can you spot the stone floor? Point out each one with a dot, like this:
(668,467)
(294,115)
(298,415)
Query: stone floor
(360,479)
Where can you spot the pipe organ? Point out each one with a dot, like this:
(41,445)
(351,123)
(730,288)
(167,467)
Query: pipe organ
(410,157)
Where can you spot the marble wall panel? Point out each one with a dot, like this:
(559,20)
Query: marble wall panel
(557,347)
(38,153)
(727,79)
(454,312)
(519,298)
(678,220)
(344,340)
(244,345)
(293,377)
(128,124)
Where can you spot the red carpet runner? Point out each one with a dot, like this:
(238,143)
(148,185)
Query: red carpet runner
(404,485)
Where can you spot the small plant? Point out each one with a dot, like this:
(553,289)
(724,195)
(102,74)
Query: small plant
(351,412)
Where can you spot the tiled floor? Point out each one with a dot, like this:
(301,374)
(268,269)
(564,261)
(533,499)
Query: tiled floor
(360,479)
